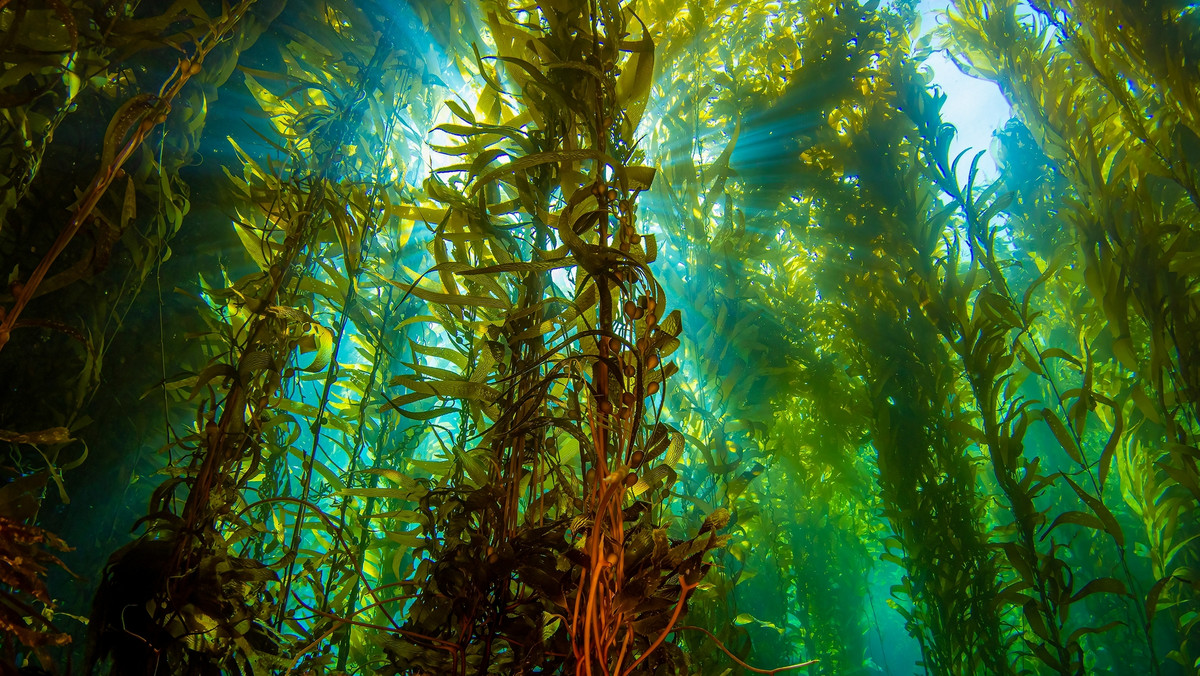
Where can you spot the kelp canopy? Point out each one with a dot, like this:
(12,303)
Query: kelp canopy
(597,337)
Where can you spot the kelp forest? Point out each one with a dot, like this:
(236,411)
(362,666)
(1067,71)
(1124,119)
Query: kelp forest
(598,337)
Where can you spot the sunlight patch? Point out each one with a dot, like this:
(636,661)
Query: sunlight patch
(975,107)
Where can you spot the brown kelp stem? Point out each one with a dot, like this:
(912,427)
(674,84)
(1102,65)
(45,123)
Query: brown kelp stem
(356,240)
(137,118)
(740,663)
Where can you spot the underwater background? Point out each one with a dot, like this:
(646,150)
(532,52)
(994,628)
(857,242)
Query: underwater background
(599,337)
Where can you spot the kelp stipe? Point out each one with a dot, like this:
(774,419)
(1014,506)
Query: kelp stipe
(187,619)
(999,350)
(1130,188)
(566,435)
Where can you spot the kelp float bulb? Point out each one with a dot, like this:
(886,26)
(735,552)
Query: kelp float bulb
(652,362)
(635,458)
(628,399)
(652,388)
(630,371)
(213,432)
(605,406)
(630,480)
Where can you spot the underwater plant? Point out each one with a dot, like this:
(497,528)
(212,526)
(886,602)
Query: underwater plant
(597,337)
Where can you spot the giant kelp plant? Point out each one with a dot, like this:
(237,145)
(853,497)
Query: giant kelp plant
(601,337)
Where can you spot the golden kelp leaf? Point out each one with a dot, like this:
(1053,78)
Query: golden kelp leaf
(1101,585)
(259,248)
(316,286)
(740,483)
(432,296)
(433,373)
(127,117)
(395,476)
(672,324)
(384,493)
(1099,509)
(49,436)
(1074,517)
(310,412)
(401,515)
(639,177)
(1022,353)
(715,521)
(1033,615)
(1145,404)
(453,356)
(455,389)
(129,205)
(653,478)
(580,524)
(256,360)
(657,442)
(675,451)
(429,414)
(536,159)
(323,341)
(1123,350)
(1153,595)
(1059,353)
(522,266)
(633,89)
(1114,438)
(349,237)
(212,371)
(463,114)
(327,473)
(1065,439)
(1017,557)
(549,628)
(565,319)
